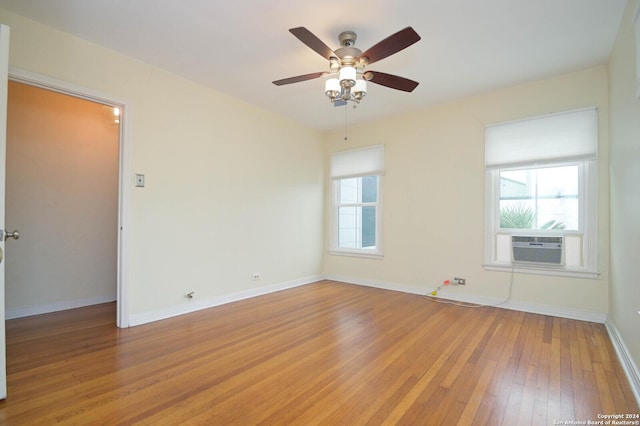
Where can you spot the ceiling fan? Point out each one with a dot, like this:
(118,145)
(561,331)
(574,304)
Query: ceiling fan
(347,64)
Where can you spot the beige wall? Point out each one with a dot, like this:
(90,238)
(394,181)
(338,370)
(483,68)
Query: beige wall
(433,195)
(62,194)
(231,189)
(625,194)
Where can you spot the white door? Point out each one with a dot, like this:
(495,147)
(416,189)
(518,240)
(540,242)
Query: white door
(4,75)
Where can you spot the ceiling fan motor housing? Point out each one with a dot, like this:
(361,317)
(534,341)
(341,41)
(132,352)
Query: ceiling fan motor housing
(347,38)
(348,54)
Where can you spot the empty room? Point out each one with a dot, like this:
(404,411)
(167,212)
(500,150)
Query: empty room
(409,212)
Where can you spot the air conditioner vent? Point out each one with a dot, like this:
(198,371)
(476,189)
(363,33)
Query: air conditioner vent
(542,250)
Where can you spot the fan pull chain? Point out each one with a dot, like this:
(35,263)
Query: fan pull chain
(346,107)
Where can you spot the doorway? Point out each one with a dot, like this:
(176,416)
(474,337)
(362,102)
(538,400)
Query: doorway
(63,169)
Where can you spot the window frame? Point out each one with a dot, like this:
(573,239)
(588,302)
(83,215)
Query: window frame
(335,220)
(587,229)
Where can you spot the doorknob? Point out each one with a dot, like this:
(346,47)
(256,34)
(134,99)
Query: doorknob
(15,235)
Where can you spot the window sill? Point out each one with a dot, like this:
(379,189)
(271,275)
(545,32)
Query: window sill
(352,253)
(541,270)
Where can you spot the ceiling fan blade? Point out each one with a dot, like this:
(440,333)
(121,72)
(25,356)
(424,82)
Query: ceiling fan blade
(390,80)
(299,78)
(390,45)
(308,38)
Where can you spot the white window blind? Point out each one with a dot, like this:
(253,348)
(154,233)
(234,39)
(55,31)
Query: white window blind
(358,162)
(571,135)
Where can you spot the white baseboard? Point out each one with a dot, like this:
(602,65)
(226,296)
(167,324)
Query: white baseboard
(554,311)
(55,307)
(629,367)
(377,284)
(188,307)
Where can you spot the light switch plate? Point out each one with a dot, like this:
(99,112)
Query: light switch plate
(140,181)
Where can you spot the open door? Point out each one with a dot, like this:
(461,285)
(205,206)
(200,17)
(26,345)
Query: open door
(4,75)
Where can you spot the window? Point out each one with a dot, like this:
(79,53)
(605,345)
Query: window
(541,181)
(356,177)
(357,205)
(540,198)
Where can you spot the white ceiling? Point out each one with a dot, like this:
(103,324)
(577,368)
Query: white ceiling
(240,46)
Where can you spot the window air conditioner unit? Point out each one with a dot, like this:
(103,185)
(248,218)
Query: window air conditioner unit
(541,250)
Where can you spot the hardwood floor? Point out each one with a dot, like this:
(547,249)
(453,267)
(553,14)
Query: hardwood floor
(324,353)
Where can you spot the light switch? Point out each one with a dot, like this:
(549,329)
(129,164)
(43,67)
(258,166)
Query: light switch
(140,181)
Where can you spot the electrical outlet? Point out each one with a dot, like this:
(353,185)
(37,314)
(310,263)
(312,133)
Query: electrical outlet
(459,281)
(255,276)
(189,294)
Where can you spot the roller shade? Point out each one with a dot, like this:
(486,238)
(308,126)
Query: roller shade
(571,135)
(358,162)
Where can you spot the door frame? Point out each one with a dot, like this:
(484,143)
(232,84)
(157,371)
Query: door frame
(4,67)
(125,178)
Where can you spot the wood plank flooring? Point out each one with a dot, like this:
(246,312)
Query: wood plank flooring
(325,353)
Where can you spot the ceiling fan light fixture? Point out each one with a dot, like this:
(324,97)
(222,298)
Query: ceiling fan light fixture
(359,90)
(332,88)
(347,76)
